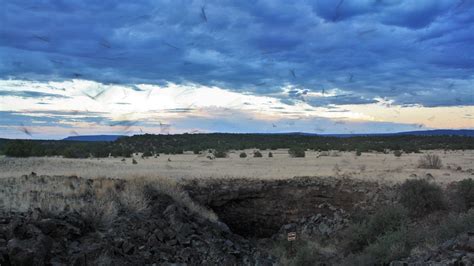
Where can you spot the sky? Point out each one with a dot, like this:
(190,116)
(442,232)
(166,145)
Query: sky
(167,67)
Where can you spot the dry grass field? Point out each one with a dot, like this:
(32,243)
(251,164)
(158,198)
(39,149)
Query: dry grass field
(369,166)
(380,167)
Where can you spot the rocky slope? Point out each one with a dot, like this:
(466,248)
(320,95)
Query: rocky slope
(168,233)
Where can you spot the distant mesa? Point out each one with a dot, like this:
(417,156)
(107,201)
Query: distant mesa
(94,138)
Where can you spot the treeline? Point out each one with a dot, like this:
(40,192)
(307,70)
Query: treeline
(177,144)
(68,149)
(221,141)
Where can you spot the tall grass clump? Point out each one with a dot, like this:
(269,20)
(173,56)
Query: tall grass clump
(101,213)
(430,161)
(133,197)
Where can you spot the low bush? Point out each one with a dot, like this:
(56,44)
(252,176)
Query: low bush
(387,219)
(257,154)
(243,155)
(303,252)
(270,154)
(391,246)
(296,152)
(307,255)
(220,154)
(400,243)
(430,161)
(358,153)
(147,153)
(465,193)
(451,226)
(421,197)
(397,153)
(324,153)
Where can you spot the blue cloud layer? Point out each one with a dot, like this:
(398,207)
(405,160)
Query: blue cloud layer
(411,52)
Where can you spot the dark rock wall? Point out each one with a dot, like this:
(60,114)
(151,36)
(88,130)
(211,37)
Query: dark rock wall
(257,208)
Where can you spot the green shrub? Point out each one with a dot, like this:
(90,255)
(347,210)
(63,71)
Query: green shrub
(220,154)
(391,246)
(364,232)
(399,243)
(452,225)
(421,197)
(430,161)
(296,152)
(397,153)
(147,153)
(257,154)
(134,161)
(304,252)
(358,153)
(306,255)
(465,192)
(243,155)
(270,154)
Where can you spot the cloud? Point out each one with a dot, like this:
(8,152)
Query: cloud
(30,94)
(340,100)
(50,118)
(407,53)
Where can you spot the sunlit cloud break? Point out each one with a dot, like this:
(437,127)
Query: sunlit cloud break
(87,107)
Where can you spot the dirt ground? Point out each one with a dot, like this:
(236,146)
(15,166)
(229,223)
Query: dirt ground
(369,166)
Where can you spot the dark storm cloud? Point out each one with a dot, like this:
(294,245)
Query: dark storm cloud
(406,51)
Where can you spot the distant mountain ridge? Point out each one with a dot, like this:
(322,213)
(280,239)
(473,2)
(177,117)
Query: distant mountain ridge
(440,132)
(94,138)
(435,132)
